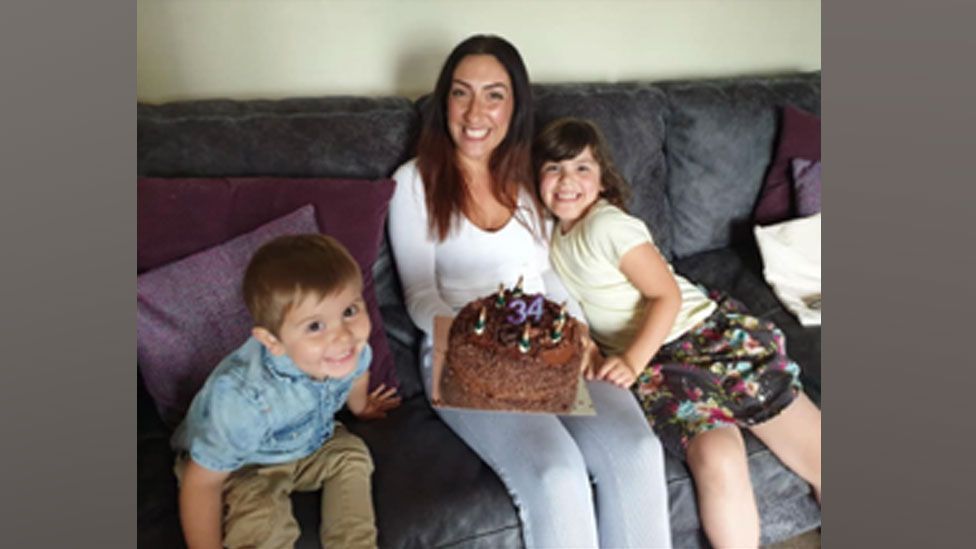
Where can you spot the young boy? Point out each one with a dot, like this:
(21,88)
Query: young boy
(262,425)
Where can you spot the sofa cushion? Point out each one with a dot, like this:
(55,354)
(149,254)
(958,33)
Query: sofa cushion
(429,488)
(791,264)
(428,482)
(806,186)
(180,216)
(631,118)
(798,137)
(190,313)
(348,137)
(720,141)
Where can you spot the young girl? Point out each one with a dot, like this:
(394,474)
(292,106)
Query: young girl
(695,364)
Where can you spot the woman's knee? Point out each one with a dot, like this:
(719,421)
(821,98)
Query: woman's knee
(644,452)
(626,428)
(648,444)
(560,478)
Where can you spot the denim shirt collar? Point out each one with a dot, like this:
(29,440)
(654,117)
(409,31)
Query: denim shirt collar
(282,366)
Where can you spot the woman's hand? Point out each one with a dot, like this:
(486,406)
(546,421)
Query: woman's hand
(592,358)
(618,371)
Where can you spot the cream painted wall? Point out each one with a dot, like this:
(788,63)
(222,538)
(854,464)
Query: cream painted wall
(244,49)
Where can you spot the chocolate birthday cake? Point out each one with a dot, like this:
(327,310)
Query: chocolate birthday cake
(512,351)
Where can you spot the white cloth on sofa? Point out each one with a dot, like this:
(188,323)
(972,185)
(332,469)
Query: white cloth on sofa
(791,265)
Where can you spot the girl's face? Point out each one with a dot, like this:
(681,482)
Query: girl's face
(479,106)
(569,187)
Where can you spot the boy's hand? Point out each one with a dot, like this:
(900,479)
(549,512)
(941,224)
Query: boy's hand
(380,401)
(616,370)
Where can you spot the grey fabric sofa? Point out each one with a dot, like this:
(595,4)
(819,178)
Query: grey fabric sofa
(695,153)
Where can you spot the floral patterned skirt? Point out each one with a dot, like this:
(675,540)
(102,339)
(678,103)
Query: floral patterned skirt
(730,369)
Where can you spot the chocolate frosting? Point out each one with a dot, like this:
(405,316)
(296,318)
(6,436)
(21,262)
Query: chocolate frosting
(489,370)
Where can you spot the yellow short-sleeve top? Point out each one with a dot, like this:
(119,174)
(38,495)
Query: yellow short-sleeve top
(587,259)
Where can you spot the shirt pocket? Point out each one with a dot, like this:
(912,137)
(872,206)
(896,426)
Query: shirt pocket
(294,435)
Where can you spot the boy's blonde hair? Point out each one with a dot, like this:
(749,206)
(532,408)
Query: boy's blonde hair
(565,138)
(287,269)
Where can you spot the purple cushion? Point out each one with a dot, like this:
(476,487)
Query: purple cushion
(190,313)
(182,216)
(806,186)
(799,136)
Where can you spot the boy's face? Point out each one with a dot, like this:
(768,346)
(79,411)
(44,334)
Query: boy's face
(323,337)
(569,187)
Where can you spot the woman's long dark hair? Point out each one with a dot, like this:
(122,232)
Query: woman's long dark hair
(510,164)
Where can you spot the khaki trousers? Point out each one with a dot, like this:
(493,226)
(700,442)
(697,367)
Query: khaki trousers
(257,506)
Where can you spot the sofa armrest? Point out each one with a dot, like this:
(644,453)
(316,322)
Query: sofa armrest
(157,511)
(148,422)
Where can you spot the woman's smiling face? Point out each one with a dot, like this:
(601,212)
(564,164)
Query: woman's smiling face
(480,103)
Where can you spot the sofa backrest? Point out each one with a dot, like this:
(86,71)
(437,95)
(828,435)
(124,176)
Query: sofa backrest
(342,137)
(694,151)
(721,136)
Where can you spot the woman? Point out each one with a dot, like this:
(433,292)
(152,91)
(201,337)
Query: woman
(464,218)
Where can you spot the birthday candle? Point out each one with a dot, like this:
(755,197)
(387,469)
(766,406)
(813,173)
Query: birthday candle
(500,298)
(518,287)
(479,327)
(557,331)
(562,312)
(523,344)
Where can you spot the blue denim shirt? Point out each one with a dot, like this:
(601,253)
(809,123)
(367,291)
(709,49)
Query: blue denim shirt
(257,408)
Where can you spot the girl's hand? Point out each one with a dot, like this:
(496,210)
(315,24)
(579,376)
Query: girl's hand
(380,401)
(616,370)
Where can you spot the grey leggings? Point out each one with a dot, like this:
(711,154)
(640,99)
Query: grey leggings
(547,462)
